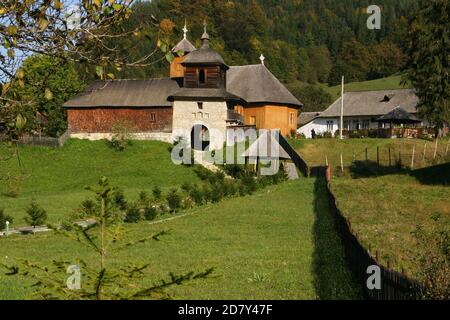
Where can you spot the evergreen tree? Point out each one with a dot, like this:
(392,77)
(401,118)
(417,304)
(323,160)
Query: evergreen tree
(37,216)
(428,60)
(3,219)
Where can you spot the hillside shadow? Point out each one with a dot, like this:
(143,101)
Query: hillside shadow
(332,277)
(434,175)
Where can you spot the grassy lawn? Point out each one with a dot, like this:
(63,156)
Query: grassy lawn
(56,177)
(279,243)
(315,152)
(385,210)
(393,82)
(386,206)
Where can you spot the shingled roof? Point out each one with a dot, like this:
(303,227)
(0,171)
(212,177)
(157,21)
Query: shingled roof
(184,45)
(256,84)
(204,94)
(399,115)
(373,103)
(307,117)
(204,56)
(126,93)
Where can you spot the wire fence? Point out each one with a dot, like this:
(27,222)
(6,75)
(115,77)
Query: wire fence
(408,156)
(394,285)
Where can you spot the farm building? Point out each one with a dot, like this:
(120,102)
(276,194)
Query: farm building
(362,110)
(202,91)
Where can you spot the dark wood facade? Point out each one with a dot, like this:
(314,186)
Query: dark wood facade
(102,120)
(210,77)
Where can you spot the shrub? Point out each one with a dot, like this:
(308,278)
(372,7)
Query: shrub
(229,188)
(216,192)
(36,215)
(122,135)
(186,187)
(248,184)
(3,219)
(119,199)
(133,214)
(150,213)
(207,192)
(157,193)
(234,170)
(196,195)
(173,200)
(88,207)
(144,199)
(188,203)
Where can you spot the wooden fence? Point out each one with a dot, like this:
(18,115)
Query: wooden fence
(414,157)
(394,285)
(41,140)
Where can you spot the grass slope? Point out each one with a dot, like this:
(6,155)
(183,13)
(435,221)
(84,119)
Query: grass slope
(385,210)
(277,244)
(56,177)
(386,206)
(393,82)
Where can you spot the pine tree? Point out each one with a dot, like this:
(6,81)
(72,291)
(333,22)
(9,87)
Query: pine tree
(428,62)
(37,216)
(3,219)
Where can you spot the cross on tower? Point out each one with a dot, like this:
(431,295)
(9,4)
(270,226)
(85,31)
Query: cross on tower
(262,58)
(185,29)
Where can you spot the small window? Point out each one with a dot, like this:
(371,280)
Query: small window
(200,105)
(153,117)
(366,124)
(252,121)
(202,76)
(194,115)
(206,115)
(330,125)
(291,118)
(200,115)
(346,125)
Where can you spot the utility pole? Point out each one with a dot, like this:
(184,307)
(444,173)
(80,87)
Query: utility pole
(342,110)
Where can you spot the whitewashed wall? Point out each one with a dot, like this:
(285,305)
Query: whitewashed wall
(186,114)
(319,125)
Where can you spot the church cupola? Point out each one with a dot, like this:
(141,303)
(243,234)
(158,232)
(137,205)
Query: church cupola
(205,68)
(205,38)
(181,50)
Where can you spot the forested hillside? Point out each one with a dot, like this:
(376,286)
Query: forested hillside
(304,41)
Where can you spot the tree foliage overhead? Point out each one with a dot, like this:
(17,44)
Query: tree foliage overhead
(428,60)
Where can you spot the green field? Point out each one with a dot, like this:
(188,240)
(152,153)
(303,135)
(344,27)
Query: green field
(277,244)
(56,177)
(393,82)
(385,205)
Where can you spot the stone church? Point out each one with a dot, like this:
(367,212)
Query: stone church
(201,92)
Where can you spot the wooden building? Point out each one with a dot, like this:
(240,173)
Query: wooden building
(202,90)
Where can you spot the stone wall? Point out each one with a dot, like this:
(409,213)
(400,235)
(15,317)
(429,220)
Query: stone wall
(212,115)
(148,136)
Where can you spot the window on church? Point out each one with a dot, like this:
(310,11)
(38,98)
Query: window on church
(202,76)
(153,117)
(291,118)
(200,105)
